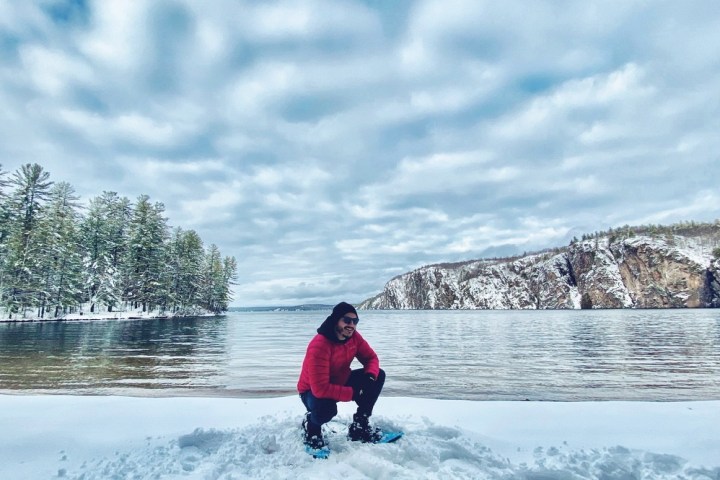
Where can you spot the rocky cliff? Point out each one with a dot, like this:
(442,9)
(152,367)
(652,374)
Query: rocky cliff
(634,272)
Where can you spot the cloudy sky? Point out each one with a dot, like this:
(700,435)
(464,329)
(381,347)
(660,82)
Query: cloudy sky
(330,145)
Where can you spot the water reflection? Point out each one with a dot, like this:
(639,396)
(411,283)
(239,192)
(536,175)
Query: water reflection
(483,355)
(105,356)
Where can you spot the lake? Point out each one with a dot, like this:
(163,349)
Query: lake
(476,355)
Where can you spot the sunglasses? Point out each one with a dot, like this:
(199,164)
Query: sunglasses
(349,320)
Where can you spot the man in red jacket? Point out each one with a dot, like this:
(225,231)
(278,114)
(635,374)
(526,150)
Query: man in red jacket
(326,377)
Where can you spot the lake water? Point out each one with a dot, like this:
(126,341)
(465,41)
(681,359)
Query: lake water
(477,355)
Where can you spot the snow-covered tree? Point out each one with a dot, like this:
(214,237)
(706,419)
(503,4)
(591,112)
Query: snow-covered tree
(21,281)
(143,264)
(5,223)
(218,274)
(211,275)
(103,238)
(61,261)
(5,211)
(55,259)
(184,269)
(229,277)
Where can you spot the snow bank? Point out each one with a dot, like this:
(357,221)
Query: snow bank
(84,314)
(216,438)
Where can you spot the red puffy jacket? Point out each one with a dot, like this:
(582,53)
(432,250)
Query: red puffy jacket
(326,367)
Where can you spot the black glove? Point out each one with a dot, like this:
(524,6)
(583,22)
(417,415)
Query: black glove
(359,390)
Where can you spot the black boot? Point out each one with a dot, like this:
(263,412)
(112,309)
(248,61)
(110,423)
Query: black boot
(312,434)
(361,431)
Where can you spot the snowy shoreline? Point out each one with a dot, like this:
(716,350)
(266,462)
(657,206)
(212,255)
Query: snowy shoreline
(121,315)
(126,437)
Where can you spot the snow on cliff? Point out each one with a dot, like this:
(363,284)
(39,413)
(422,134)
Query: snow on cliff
(634,272)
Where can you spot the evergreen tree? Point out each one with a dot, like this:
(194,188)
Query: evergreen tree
(219,275)
(171,275)
(61,262)
(193,260)
(145,255)
(103,240)
(21,279)
(5,212)
(5,224)
(118,223)
(229,277)
(157,288)
(211,288)
(185,264)
(55,259)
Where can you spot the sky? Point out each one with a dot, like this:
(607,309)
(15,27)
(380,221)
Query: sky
(329,145)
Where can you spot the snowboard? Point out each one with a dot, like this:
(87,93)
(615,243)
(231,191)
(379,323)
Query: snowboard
(324,452)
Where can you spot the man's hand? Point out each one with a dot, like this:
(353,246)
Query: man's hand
(359,390)
(357,393)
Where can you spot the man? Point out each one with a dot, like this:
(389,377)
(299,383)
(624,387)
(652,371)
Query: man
(326,378)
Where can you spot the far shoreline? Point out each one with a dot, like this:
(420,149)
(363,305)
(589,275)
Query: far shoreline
(102,317)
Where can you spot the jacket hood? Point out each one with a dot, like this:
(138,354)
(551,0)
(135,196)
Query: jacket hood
(327,330)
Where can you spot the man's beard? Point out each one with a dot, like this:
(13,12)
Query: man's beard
(345,333)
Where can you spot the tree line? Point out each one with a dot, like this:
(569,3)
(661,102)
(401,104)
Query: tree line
(708,230)
(687,228)
(58,257)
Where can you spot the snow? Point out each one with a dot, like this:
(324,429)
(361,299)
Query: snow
(125,312)
(96,437)
(694,249)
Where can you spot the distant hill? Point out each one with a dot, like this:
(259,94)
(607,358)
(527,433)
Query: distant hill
(295,308)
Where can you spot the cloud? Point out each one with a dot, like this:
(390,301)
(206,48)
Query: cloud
(117,35)
(442,172)
(329,145)
(52,71)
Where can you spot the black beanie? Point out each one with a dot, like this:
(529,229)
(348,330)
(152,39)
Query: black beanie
(341,309)
(328,326)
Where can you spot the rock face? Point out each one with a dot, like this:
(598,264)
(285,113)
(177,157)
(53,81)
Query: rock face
(635,272)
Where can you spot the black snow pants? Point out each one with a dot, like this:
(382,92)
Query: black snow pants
(322,410)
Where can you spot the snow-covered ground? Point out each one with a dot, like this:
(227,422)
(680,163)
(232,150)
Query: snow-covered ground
(97,437)
(124,313)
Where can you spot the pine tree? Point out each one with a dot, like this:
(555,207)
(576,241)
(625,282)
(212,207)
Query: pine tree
(185,263)
(171,275)
(229,277)
(103,240)
(157,287)
(211,283)
(61,262)
(192,265)
(21,278)
(5,224)
(5,211)
(118,225)
(219,275)
(55,259)
(145,254)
